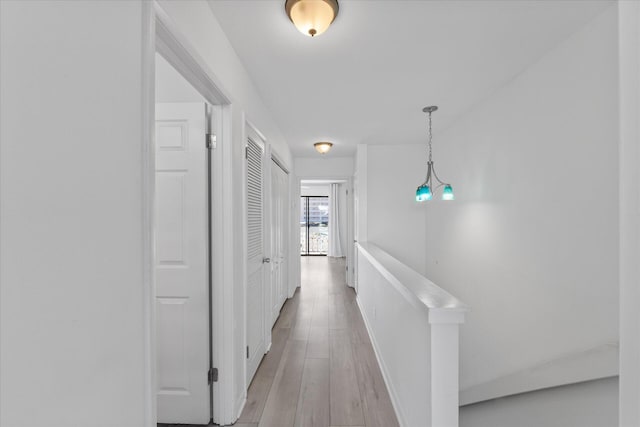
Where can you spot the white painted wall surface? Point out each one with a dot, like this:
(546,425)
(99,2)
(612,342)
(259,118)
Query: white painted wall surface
(198,24)
(71,208)
(396,222)
(629,38)
(403,352)
(314,190)
(588,404)
(171,86)
(531,241)
(323,167)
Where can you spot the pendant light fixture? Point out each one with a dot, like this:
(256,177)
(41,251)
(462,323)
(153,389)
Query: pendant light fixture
(311,17)
(323,147)
(426,190)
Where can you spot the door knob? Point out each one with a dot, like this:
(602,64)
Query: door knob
(266,260)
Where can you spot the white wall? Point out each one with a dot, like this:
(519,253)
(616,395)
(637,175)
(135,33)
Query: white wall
(323,167)
(531,242)
(198,24)
(396,222)
(629,37)
(171,86)
(404,353)
(314,190)
(588,404)
(71,208)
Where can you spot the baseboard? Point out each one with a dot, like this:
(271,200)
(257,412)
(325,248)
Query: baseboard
(383,368)
(590,364)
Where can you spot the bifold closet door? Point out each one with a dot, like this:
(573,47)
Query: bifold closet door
(256,305)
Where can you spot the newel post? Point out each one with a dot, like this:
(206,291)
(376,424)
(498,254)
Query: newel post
(444,365)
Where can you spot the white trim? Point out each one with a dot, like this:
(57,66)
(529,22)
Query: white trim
(166,39)
(224,309)
(176,49)
(281,163)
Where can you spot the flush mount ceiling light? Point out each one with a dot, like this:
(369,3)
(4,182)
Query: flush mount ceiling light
(311,17)
(426,190)
(323,147)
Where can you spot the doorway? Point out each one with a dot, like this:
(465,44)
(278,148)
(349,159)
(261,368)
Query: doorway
(183,119)
(314,225)
(163,37)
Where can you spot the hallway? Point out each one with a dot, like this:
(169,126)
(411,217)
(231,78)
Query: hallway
(321,369)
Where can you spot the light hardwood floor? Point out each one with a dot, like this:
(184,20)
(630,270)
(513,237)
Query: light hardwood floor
(321,370)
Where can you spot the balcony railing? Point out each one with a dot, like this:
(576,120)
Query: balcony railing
(318,240)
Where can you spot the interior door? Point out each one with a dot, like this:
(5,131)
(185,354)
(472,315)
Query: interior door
(256,321)
(182,264)
(283,178)
(279,211)
(275,242)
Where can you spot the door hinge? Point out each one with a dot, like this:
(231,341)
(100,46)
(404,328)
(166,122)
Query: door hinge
(347,268)
(211,141)
(247,352)
(246,151)
(213,375)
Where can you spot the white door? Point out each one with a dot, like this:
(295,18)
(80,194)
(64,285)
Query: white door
(182,278)
(256,325)
(280,254)
(279,218)
(275,242)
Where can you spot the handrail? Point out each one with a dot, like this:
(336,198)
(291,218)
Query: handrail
(413,325)
(417,289)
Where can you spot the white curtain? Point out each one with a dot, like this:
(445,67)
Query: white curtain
(335,248)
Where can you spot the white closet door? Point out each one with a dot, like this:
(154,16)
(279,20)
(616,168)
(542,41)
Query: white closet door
(255,254)
(284,233)
(275,243)
(182,282)
(279,227)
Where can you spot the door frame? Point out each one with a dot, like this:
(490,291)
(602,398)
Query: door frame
(296,255)
(161,35)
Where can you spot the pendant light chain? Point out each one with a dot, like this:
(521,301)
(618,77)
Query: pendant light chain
(430,136)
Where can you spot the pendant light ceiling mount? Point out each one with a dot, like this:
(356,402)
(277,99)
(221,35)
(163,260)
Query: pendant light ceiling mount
(426,190)
(312,17)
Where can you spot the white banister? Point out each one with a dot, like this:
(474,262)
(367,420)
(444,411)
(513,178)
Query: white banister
(413,326)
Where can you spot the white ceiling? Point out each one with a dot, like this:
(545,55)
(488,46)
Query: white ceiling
(367,78)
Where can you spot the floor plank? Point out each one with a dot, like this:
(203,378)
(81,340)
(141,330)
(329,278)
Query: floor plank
(346,404)
(280,408)
(377,407)
(262,381)
(321,369)
(313,402)
(318,343)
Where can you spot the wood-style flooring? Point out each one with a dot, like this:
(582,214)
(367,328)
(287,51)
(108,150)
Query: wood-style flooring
(321,370)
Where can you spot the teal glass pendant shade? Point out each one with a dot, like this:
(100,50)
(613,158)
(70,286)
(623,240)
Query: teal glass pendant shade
(423,193)
(447,193)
